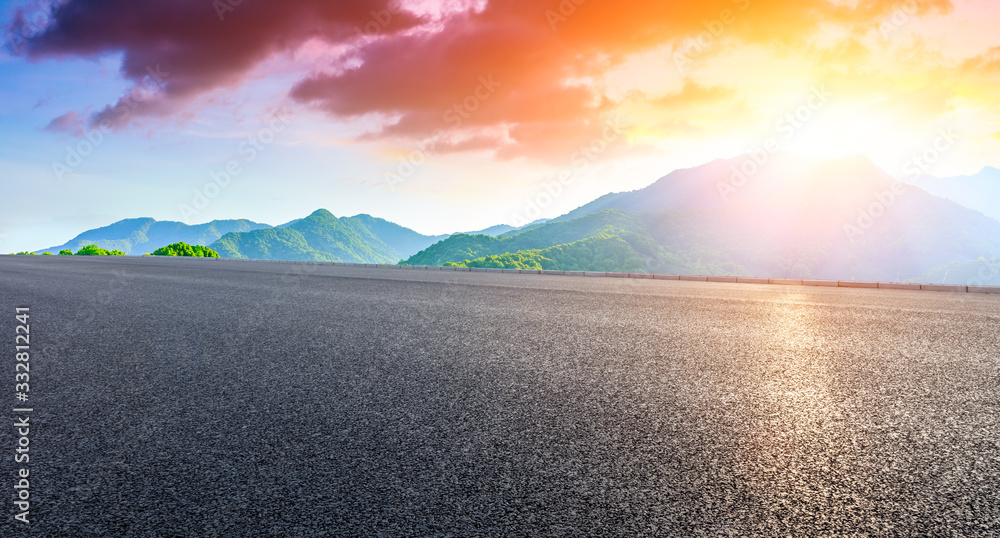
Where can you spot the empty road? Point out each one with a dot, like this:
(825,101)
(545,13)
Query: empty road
(178,397)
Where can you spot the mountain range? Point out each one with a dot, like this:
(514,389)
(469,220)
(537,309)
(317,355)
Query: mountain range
(323,237)
(317,237)
(142,235)
(980,191)
(841,219)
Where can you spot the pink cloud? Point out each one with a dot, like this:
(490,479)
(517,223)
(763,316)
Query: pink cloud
(175,51)
(70,122)
(469,67)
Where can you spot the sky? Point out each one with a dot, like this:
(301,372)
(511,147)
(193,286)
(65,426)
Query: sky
(460,114)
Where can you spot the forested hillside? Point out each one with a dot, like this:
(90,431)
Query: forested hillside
(270,244)
(842,220)
(139,236)
(323,237)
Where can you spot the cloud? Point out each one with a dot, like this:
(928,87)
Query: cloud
(515,72)
(543,52)
(70,122)
(693,94)
(475,143)
(986,63)
(200,48)
(45,99)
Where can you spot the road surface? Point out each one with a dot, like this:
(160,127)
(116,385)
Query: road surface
(204,398)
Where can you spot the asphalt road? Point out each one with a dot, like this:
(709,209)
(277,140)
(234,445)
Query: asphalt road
(213,398)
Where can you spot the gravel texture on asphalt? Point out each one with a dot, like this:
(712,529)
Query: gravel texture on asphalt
(222,398)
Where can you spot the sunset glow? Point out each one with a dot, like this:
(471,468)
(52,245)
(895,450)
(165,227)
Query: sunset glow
(466,108)
(501,267)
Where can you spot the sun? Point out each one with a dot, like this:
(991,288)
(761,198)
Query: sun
(844,129)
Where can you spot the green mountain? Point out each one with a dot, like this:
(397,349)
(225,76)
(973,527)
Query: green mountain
(139,236)
(270,244)
(404,240)
(318,237)
(323,237)
(597,253)
(346,239)
(462,247)
(663,242)
(841,219)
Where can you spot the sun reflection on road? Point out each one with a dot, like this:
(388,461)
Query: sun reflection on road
(796,387)
(795,436)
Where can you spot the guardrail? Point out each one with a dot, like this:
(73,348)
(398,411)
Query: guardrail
(701,278)
(650,276)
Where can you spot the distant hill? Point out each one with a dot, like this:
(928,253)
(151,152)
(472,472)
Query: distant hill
(493,231)
(597,253)
(460,247)
(842,219)
(143,235)
(503,229)
(318,237)
(980,191)
(323,237)
(529,226)
(689,250)
(689,188)
(403,240)
(723,183)
(838,219)
(982,272)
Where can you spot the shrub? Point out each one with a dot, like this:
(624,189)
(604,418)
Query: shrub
(184,249)
(92,250)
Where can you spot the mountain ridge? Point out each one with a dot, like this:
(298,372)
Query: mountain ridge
(841,219)
(321,236)
(145,234)
(979,191)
